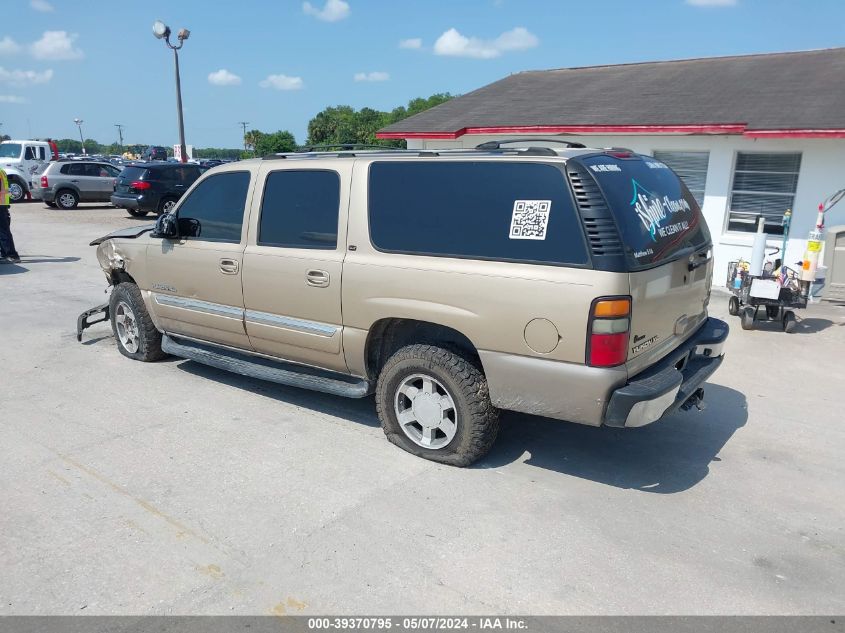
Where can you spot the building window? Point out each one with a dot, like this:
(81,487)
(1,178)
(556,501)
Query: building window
(764,186)
(691,167)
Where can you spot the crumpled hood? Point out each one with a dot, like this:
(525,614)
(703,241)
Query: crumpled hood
(129,233)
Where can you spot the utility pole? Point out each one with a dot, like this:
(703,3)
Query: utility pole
(243,124)
(119,127)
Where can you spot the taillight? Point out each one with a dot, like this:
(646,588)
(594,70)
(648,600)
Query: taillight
(607,331)
(44,182)
(139,185)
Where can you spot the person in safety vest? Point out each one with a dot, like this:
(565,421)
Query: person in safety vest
(8,254)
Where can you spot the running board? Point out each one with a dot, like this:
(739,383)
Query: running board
(266,369)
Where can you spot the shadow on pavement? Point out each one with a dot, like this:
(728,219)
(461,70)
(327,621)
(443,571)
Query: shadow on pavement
(809,325)
(47,259)
(12,269)
(360,411)
(665,457)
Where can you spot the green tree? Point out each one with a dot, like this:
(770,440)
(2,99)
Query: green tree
(343,124)
(69,145)
(275,142)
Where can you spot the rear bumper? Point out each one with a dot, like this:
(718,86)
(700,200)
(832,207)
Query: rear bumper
(669,384)
(126,202)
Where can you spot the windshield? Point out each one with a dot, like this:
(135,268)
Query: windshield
(655,212)
(10,150)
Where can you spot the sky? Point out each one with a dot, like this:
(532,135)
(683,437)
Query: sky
(277,63)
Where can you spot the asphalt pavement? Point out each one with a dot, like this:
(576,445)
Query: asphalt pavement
(174,488)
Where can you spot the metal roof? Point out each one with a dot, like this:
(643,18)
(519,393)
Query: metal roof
(770,95)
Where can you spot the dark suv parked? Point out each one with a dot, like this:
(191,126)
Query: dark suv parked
(142,188)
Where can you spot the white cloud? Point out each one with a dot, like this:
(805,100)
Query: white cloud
(712,3)
(41,5)
(332,11)
(412,43)
(8,46)
(373,76)
(282,82)
(24,77)
(12,99)
(453,44)
(56,45)
(223,77)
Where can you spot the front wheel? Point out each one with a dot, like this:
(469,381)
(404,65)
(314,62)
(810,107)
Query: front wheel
(747,321)
(138,213)
(435,404)
(137,337)
(789,322)
(166,206)
(16,191)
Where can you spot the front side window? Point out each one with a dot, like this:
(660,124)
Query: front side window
(691,167)
(507,211)
(214,211)
(764,187)
(300,209)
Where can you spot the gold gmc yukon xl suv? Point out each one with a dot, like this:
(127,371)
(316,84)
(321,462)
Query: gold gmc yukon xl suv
(568,283)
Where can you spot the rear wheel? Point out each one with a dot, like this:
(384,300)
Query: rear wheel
(137,337)
(789,321)
(748,318)
(435,404)
(138,213)
(67,199)
(733,306)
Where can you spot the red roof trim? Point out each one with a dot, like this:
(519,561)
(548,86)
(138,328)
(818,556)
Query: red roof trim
(710,128)
(795,133)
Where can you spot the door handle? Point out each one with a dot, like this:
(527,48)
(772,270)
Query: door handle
(317,278)
(229,266)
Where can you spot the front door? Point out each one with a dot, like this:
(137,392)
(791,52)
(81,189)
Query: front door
(195,281)
(293,263)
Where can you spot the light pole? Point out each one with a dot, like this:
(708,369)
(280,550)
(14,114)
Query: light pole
(162,31)
(79,123)
(119,127)
(243,124)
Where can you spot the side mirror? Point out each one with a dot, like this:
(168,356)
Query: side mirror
(167,227)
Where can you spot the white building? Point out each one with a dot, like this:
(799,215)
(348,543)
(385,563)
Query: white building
(752,136)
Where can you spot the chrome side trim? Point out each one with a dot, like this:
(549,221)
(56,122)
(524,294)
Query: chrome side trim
(217,309)
(300,325)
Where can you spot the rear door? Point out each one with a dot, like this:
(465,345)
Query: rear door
(668,250)
(293,263)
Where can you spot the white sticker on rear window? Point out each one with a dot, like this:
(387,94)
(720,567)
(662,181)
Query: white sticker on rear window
(530,219)
(610,167)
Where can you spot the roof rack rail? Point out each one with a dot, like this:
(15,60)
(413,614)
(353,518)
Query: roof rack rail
(498,144)
(344,146)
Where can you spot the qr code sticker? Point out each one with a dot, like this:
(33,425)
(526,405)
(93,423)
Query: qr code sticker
(530,219)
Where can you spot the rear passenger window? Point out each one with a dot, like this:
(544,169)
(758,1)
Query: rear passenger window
(481,210)
(214,211)
(300,209)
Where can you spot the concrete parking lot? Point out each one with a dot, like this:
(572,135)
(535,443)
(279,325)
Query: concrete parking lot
(173,488)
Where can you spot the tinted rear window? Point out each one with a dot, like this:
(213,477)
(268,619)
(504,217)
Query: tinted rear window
(655,212)
(481,210)
(133,173)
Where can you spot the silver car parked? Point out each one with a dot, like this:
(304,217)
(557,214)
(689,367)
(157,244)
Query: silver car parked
(66,183)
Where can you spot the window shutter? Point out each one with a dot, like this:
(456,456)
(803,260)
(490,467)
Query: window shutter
(691,167)
(764,185)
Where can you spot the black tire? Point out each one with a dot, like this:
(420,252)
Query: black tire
(772,312)
(148,347)
(789,322)
(477,420)
(138,213)
(166,205)
(747,320)
(67,199)
(733,306)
